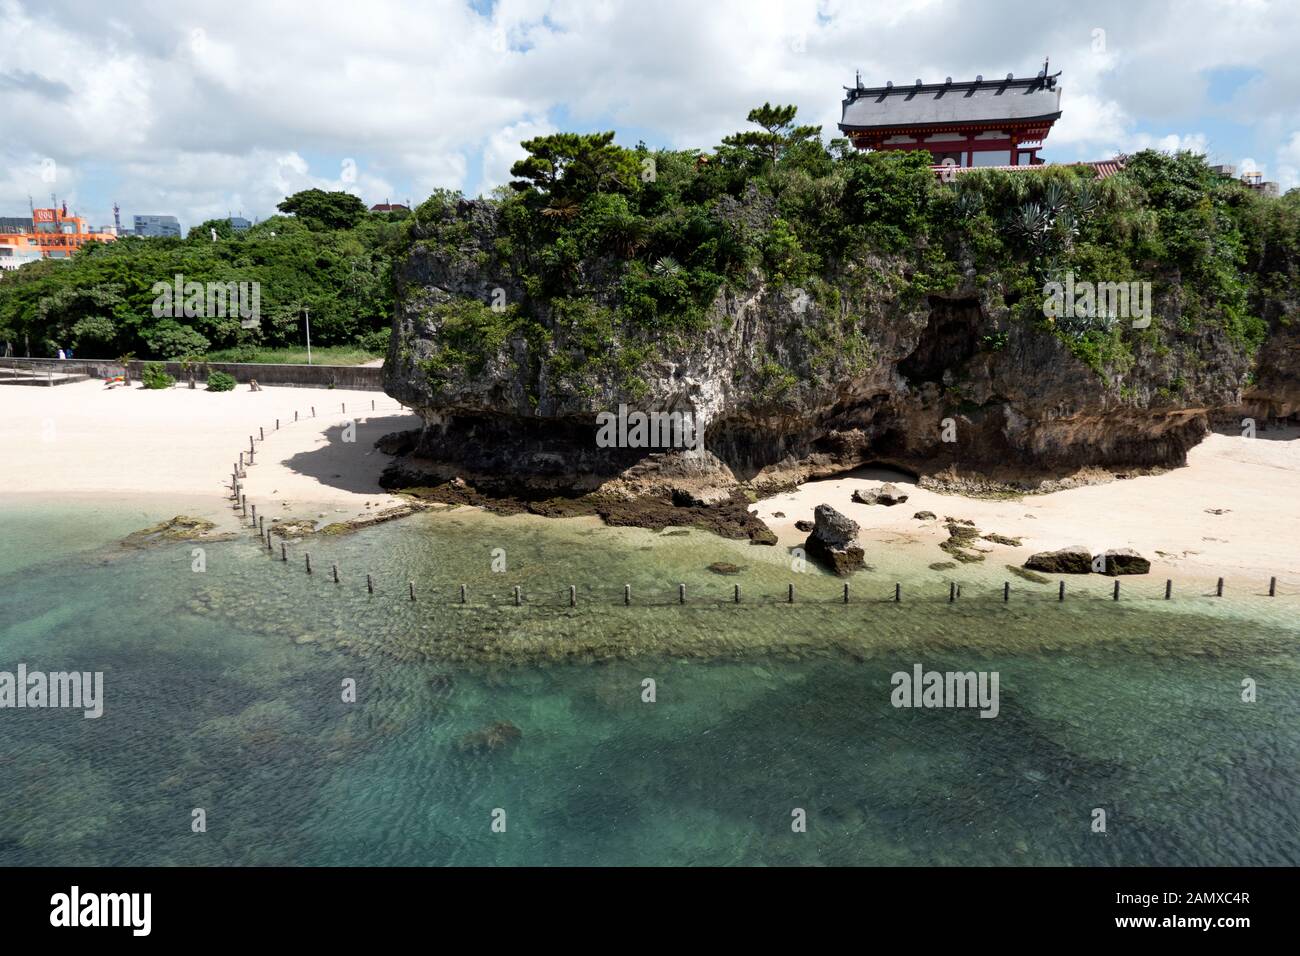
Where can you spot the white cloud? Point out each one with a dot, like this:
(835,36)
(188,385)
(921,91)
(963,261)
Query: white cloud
(190,108)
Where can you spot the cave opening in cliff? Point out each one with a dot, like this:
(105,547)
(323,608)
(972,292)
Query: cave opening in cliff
(951,336)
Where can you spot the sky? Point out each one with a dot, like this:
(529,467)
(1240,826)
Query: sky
(201,110)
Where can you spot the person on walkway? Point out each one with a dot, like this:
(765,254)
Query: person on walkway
(61,355)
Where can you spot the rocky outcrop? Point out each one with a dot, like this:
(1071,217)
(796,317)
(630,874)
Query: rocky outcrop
(1075,559)
(834,541)
(1124,561)
(887,494)
(783,386)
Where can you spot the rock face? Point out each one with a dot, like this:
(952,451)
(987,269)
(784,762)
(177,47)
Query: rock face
(887,494)
(1124,561)
(1075,559)
(784,387)
(834,541)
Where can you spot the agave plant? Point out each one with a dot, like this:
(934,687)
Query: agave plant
(1054,199)
(1086,200)
(969,204)
(1032,222)
(667,266)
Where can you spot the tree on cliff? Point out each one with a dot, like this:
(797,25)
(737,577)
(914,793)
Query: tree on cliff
(319,209)
(779,135)
(575,165)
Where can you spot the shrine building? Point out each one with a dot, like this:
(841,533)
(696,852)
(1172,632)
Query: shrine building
(978,123)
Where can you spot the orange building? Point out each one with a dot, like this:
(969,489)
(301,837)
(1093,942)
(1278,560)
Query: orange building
(54,234)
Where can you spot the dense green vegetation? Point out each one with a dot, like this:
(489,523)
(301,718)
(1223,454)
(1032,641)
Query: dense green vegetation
(621,251)
(333,258)
(613,254)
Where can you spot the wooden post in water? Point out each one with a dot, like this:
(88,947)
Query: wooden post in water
(1115,597)
(519,597)
(370,584)
(284,551)
(681,594)
(334,569)
(1169,588)
(462,594)
(789,595)
(309,564)
(952,591)
(277,424)
(1060,592)
(269,546)
(627,595)
(250,445)
(1218,590)
(372,404)
(1006,591)
(343,407)
(898,593)
(261,522)
(295,415)
(846,592)
(243,505)
(313,411)
(411,587)
(261,433)
(573,595)
(1272,587)
(736,594)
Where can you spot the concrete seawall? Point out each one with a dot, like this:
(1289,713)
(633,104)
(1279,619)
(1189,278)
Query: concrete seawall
(360,377)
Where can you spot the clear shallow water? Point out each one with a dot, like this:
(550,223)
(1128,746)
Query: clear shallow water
(223,692)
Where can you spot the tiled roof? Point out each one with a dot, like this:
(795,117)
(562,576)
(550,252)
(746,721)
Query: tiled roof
(978,101)
(1103,167)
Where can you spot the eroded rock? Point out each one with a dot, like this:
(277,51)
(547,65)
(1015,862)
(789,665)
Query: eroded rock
(834,541)
(1075,559)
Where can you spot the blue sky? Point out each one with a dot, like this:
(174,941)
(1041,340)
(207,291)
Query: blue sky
(197,109)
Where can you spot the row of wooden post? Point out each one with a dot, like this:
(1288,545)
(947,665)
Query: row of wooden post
(954,589)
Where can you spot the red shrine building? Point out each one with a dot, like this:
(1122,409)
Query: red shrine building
(978,123)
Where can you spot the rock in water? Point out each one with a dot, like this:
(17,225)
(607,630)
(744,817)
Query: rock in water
(497,736)
(1125,561)
(834,541)
(1075,559)
(924,516)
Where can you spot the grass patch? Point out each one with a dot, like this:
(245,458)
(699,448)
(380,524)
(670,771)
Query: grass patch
(330,355)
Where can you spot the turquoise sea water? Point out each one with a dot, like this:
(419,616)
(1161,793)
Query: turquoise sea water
(223,692)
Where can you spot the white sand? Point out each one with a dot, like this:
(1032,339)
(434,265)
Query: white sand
(85,441)
(1257,480)
(82,441)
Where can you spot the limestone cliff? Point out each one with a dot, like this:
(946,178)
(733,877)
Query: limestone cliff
(952,384)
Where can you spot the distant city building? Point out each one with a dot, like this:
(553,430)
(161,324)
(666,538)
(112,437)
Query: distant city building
(53,234)
(1251,179)
(239,223)
(15,224)
(389,207)
(156,226)
(11,257)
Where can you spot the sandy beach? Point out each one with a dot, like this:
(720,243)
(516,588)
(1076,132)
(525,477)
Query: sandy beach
(1233,510)
(85,441)
(1169,518)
